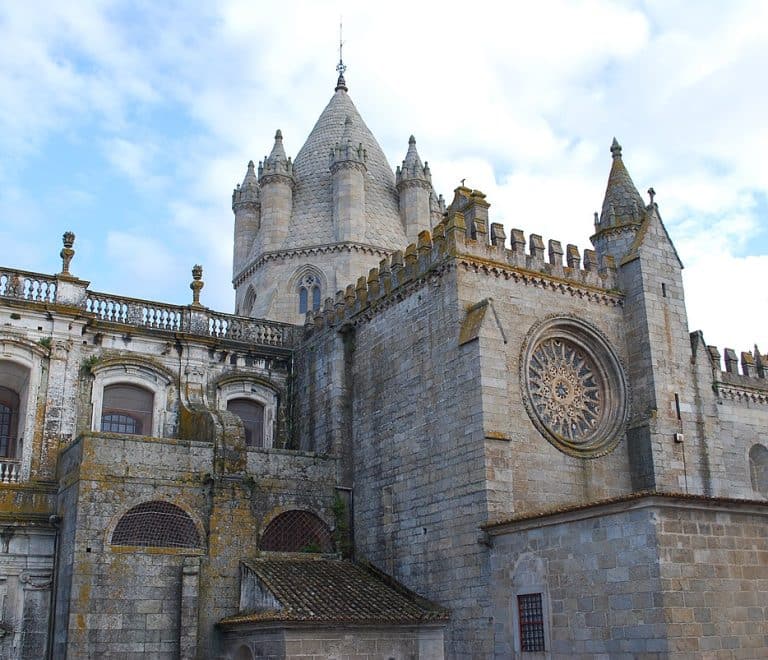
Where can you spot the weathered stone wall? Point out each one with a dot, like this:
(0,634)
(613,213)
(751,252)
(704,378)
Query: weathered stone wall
(337,642)
(714,580)
(524,471)
(418,454)
(651,577)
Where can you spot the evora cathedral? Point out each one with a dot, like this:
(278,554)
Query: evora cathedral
(418,437)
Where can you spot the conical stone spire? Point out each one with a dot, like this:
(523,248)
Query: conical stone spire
(276,162)
(412,167)
(622,204)
(248,191)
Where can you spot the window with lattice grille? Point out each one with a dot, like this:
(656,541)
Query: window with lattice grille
(297,531)
(531,615)
(127,409)
(157,524)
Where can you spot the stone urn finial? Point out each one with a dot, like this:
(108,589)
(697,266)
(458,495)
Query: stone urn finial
(67,252)
(197,284)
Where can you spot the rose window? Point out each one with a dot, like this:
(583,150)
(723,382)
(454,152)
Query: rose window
(575,387)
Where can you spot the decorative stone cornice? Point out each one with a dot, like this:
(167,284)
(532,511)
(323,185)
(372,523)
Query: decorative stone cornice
(542,281)
(276,177)
(740,394)
(348,165)
(414,183)
(307,251)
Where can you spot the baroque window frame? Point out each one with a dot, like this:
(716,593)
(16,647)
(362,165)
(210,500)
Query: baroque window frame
(243,387)
(128,372)
(29,356)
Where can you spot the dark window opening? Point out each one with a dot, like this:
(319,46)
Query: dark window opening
(127,409)
(9,421)
(296,531)
(663,290)
(252,415)
(156,524)
(531,616)
(303,300)
(315,298)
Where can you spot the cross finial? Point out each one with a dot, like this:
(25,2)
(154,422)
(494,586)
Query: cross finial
(341,67)
(462,183)
(651,194)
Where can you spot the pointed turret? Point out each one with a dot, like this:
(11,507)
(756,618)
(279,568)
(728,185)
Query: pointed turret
(348,171)
(276,183)
(246,207)
(622,213)
(414,186)
(276,162)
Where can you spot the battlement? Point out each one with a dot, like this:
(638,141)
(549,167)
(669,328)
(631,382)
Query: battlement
(753,365)
(474,246)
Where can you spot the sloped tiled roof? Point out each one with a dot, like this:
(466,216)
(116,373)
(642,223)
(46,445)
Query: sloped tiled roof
(322,590)
(312,216)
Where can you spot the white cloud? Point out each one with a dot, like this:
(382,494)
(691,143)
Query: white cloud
(521,99)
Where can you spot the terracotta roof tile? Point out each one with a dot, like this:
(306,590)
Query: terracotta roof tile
(325,590)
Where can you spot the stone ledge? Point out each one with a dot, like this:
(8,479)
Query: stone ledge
(622,504)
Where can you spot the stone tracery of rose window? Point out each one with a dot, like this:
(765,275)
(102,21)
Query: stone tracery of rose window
(564,389)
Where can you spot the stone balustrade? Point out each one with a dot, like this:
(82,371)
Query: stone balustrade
(27,286)
(10,471)
(194,319)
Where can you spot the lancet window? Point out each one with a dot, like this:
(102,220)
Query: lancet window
(309,292)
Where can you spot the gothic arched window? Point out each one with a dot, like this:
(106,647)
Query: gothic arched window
(252,414)
(127,409)
(309,289)
(9,421)
(156,524)
(296,531)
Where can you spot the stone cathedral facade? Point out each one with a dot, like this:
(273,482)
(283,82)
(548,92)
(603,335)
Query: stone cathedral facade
(417,437)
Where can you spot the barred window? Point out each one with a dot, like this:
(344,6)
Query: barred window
(531,615)
(252,414)
(156,524)
(297,531)
(127,409)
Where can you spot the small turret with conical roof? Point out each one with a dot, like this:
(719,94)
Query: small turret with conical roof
(348,169)
(622,212)
(276,183)
(246,205)
(414,187)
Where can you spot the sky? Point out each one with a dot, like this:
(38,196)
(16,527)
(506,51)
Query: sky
(130,123)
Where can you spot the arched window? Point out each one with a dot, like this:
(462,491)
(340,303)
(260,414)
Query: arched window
(309,285)
(248,301)
(156,524)
(127,409)
(252,414)
(758,469)
(243,653)
(9,421)
(296,531)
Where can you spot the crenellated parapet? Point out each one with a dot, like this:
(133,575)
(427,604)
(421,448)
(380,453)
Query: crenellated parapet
(740,377)
(450,245)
